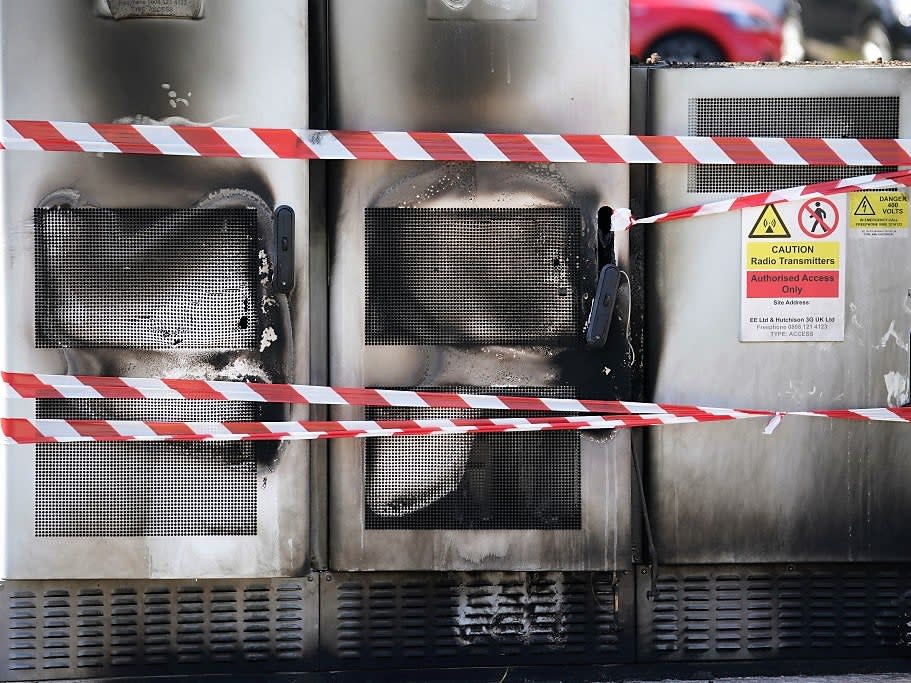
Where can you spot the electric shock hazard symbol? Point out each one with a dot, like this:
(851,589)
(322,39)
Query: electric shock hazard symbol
(865,208)
(769,225)
(793,285)
(878,214)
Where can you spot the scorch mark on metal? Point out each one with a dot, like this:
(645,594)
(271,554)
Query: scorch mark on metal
(145,120)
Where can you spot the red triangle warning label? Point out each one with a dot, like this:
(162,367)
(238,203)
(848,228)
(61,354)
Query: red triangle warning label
(769,225)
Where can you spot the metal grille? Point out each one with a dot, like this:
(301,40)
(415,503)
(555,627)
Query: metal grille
(484,481)
(473,276)
(146,278)
(776,611)
(139,629)
(829,117)
(145,489)
(376,620)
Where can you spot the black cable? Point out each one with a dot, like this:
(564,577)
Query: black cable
(652,551)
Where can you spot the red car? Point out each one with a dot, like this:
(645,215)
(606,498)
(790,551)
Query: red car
(704,31)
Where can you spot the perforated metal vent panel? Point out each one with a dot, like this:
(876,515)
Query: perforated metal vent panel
(774,611)
(473,276)
(829,117)
(145,489)
(487,481)
(80,629)
(146,278)
(441,619)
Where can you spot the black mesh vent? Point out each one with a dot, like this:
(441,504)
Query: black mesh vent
(798,117)
(473,276)
(484,481)
(146,278)
(145,489)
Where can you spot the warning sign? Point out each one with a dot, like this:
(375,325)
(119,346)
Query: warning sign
(793,281)
(769,225)
(878,213)
(865,208)
(818,218)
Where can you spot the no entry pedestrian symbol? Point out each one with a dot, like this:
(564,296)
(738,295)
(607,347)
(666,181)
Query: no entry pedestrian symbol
(818,218)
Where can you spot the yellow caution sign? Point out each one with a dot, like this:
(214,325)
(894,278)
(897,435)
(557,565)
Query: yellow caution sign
(769,225)
(887,210)
(793,256)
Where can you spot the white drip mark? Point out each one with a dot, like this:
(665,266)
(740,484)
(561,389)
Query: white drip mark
(900,341)
(268,337)
(897,388)
(263,263)
(854,320)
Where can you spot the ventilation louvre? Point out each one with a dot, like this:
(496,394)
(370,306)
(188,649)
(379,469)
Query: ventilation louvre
(484,481)
(776,612)
(800,117)
(441,619)
(146,278)
(145,489)
(80,629)
(473,276)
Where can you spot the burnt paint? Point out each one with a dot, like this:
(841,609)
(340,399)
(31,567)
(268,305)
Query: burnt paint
(125,63)
(274,362)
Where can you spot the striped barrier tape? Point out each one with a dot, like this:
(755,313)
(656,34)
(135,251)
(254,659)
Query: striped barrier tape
(30,385)
(622,219)
(314,144)
(24,431)
(295,143)
(623,414)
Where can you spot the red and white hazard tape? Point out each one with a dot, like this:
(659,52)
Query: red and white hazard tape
(30,385)
(622,219)
(295,143)
(23,431)
(622,414)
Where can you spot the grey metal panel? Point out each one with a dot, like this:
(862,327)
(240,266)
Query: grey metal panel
(555,73)
(737,612)
(814,490)
(245,64)
(411,620)
(770,115)
(81,629)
